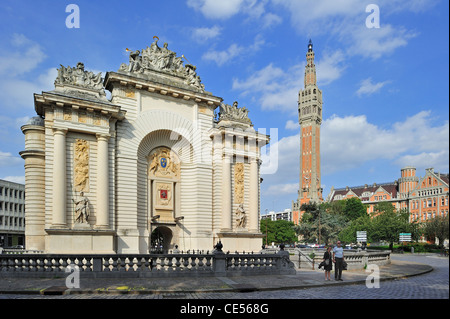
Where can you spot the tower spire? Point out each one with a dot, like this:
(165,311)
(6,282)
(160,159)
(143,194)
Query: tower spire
(310,119)
(310,69)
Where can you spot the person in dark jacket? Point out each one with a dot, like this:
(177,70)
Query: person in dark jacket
(328,263)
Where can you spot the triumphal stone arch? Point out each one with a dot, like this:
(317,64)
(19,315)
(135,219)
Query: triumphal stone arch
(161,162)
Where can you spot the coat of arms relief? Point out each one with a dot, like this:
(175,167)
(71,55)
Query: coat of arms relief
(163,163)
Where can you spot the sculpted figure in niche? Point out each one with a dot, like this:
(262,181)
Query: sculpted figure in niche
(81,209)
(240,216)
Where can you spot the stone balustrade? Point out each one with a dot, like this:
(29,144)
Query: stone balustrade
(145,265)
(356,259)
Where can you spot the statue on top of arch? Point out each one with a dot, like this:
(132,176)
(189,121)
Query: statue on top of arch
(162,59)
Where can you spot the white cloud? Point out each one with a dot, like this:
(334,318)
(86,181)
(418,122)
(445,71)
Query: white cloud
(233,51)
(348,142)
(22,55)
(214,9)
(254,9)
(368,87)
(205,34)
(375,43)
(270,19)
(222,57)
(345,19)
(330,67)
(285,189)
(7,159)
(278,89)
(291,125)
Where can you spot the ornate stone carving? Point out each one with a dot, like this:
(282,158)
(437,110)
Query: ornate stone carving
(82,211)
(164,60)
(164,195)
(77,76)
(240,217)
(239,183)
(163,164)
(234,113)
(81,165)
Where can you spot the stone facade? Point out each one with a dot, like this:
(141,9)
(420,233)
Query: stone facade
(107,173)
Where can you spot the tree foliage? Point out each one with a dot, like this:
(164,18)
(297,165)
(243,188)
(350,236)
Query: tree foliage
(278,231)
(317,220)
(438,228)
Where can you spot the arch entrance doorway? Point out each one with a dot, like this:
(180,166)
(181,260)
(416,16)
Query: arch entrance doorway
(161,239)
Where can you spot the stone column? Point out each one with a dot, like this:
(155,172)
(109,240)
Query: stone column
(102,182)
(34,156)
(59,178)
(226,193)
(254,196)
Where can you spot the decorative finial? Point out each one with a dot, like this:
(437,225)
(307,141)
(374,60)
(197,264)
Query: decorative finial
(310,46)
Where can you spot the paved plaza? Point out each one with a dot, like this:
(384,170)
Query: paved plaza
(408,277)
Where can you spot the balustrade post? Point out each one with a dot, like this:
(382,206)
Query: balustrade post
(97,264)
(219,263)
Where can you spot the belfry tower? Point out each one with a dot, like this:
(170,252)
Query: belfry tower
(310,119)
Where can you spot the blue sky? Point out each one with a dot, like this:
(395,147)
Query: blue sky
(385,90)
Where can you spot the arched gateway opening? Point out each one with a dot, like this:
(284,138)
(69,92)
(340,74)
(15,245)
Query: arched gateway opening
(161,239)
(161,154)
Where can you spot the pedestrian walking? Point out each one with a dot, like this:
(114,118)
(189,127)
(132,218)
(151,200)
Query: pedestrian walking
(328,262)
(338,260)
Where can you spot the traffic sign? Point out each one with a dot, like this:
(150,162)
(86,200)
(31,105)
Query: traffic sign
(361,236)
(405,237)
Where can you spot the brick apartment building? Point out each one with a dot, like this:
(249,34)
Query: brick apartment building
(425,197)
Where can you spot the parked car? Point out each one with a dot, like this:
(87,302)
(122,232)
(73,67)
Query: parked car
(16,247)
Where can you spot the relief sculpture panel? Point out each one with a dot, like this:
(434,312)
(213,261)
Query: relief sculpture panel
(81,165)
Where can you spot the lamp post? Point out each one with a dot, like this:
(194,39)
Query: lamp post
(266,227)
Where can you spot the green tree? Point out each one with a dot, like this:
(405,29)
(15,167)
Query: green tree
(318,225)
(438,228)
(363,223)
(388,224)
(354,208)
(278,231)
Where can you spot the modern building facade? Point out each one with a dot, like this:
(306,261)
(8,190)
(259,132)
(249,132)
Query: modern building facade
(152,165)
(12,214)
(310,120)
(425,197)
(284,215)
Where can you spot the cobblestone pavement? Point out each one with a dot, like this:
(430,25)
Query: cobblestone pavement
(433,285)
